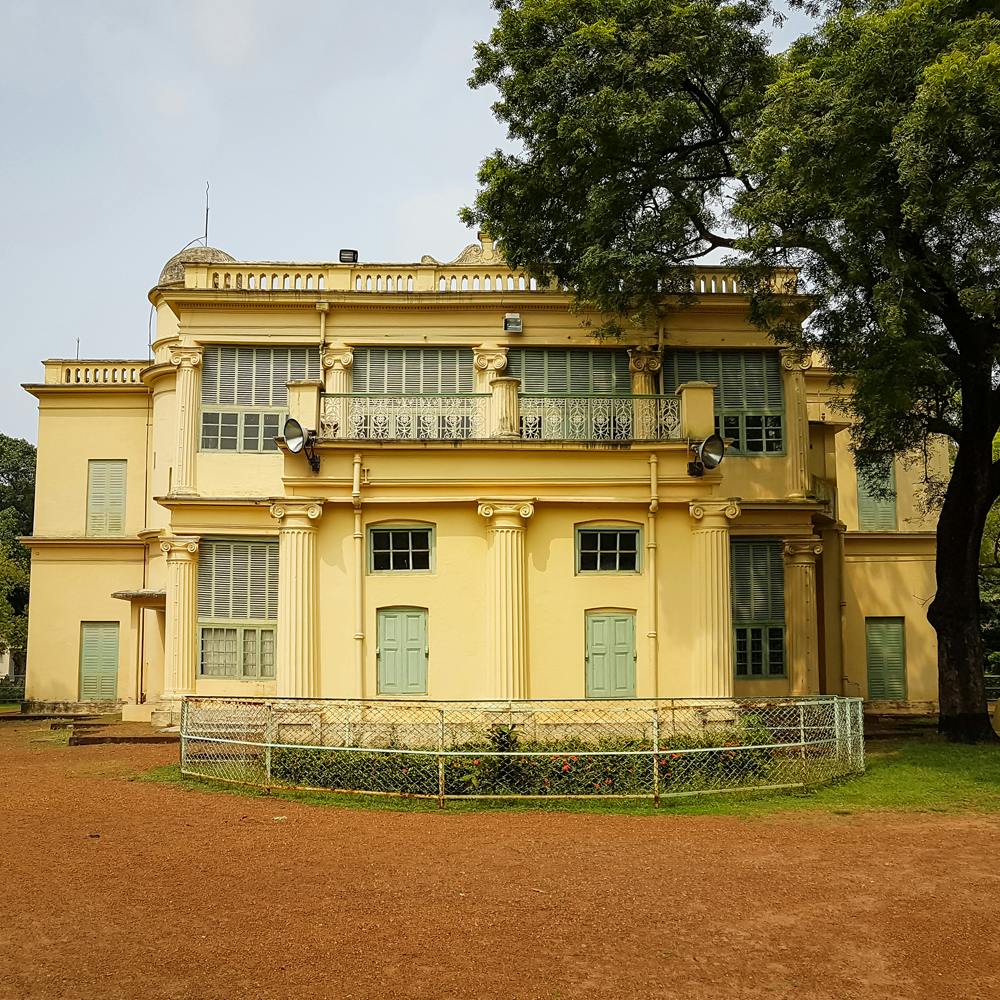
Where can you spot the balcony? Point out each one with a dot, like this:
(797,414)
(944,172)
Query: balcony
(506,416)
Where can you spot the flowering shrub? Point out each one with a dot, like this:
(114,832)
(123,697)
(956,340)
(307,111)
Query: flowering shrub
(504,763)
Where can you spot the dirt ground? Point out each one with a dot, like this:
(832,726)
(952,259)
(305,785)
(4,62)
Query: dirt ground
(112,888)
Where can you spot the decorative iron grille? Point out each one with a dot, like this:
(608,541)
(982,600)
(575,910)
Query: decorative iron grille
(600,418)
(454,417)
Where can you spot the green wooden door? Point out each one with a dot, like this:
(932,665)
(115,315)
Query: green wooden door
(98,661)
(610,655)
(886,658)
(402,651)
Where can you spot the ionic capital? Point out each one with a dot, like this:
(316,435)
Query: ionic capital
(796,359)
(490,359)
(802,550)
(180,548)
(518,510)
(185,357)
(714,513)
(294,513)
(340,359)
(644,359)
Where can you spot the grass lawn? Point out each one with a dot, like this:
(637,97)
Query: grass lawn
(916,775)
(10,706)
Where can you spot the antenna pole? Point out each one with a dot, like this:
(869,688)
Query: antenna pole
(206,212)
(77,348)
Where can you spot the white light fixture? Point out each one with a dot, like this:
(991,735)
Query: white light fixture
(512,323)
(297,439)
(708,454)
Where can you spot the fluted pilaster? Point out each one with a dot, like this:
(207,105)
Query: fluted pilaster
(297,652)
(794,364)
(506,408)
(713,619)
(187,360)
(508,595)
(180,667)
(802,627)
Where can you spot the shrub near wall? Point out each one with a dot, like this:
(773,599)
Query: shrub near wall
(504,764)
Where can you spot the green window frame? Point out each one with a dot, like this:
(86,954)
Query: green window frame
(749,395)
(608,549)
(244,394)
(401,548)
(106,495)
(237,608)
(877,500)
(758,597)
(885,649)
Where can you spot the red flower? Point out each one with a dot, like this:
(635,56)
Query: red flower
(675,756)
(475,763)
(565,767)
(573,759)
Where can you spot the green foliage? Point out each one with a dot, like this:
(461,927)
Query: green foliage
(556,767)
(17,499)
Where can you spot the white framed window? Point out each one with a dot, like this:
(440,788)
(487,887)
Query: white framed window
(237,608)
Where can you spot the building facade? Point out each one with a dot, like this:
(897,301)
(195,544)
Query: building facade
(495,504)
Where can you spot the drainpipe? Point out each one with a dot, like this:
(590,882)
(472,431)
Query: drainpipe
(359,580)
(322,308)
(652,634)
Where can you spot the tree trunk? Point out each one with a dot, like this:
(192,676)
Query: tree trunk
(954,612)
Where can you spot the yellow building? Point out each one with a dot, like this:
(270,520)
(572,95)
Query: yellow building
(502,506)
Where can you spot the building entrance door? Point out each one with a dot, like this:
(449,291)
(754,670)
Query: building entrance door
(98,661)
(611,655)
(402,651)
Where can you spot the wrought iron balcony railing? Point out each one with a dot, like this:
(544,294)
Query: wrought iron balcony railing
(467,416)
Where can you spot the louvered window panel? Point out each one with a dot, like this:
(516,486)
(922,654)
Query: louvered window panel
(749,400)
(244,394)
(412,371)
(877,500)
(886,654)
(758,596)
(237,608)
(570,371)
(106,485)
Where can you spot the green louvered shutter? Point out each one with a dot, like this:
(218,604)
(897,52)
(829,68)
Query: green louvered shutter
(98,661)
(877,514)
(412,371)
(570,371)
(106,496)
(886,648)
(758,597)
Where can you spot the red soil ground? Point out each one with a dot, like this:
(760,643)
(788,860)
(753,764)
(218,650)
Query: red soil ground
(115,888)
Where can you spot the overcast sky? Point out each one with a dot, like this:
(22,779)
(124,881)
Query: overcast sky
(320,125)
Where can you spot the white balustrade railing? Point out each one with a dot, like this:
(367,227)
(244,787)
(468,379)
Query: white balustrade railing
(449,417)
(468,416)
(111,373)
(600,418)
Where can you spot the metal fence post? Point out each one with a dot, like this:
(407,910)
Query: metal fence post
(440,758)
(802,739)
(656,757)
(184,732)
(268,741)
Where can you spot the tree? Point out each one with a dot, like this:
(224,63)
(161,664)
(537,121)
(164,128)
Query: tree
(17,502)
(865,156)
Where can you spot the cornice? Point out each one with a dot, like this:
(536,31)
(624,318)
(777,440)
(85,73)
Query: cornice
(38,389)
(80,541)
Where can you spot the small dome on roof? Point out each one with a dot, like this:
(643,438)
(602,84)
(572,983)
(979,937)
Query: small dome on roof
(173,270)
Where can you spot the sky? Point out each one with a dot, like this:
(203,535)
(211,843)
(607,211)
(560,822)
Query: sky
(320,124)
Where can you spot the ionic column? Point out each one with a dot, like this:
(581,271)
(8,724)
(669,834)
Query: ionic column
(802,629)
(505,407)
(794,364)
(713,617)
(180,667)
(508,638)
(644,363)
(186,359)
(489,363)
(337,377)
(297,647)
